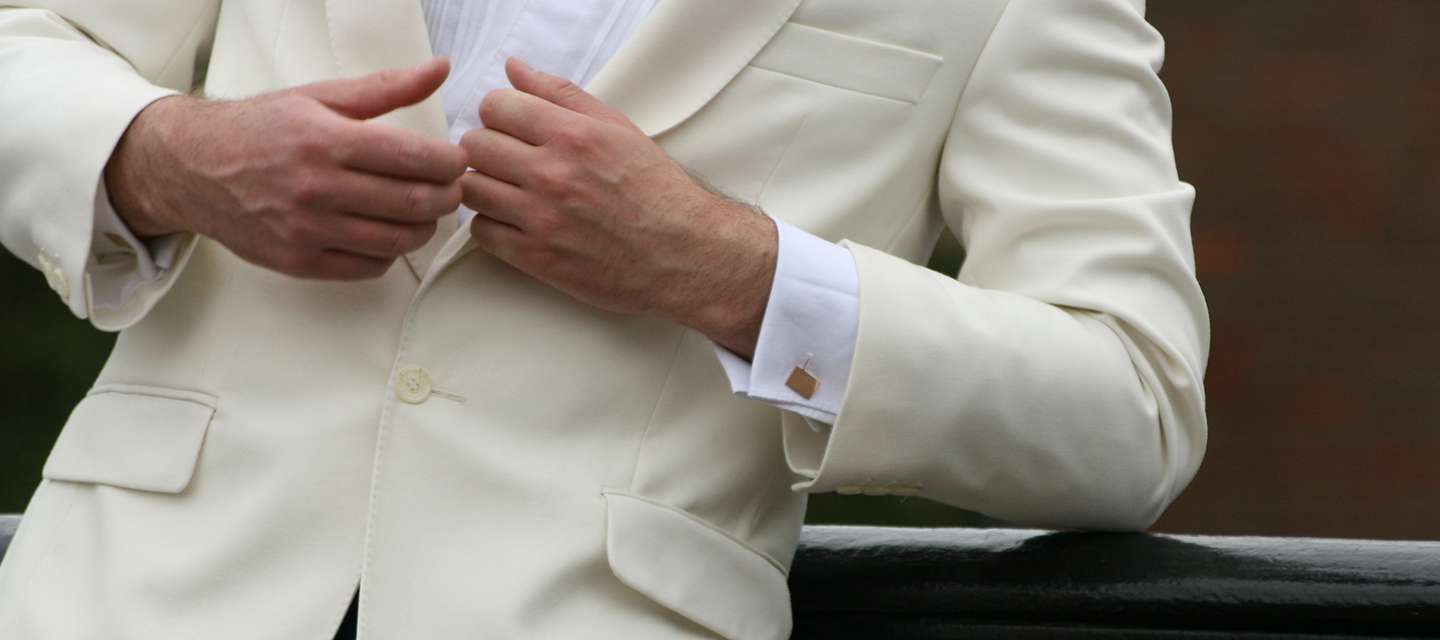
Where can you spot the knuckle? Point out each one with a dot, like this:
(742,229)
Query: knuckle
(411,151)
(292,103)
(452,196)
(471,191)
(456,162)
(419,204)
(553,178)
(545,225)
(490,105)
(391,243)
(563,87)
(473,141)
(308,190)
(574,137)
(316,142)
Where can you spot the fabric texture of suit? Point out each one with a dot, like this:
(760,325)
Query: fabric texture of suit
(489,457)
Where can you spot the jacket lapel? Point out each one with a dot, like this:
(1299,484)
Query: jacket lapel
(370,35)
(680,57)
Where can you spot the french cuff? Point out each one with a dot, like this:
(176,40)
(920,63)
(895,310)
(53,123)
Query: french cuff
(120,263)
(807,337)
(870,450)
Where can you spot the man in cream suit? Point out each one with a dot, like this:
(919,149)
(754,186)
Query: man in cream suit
(589,402)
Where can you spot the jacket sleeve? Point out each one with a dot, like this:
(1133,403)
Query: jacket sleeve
(73,75)
(1057,381)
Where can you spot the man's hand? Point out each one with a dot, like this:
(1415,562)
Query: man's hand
(296,180)
(571,192)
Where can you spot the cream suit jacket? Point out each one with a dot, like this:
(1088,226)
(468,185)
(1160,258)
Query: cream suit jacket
(490,458)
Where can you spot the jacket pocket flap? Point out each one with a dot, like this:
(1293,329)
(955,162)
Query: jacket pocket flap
(848,62)
(696,570)
(142,438)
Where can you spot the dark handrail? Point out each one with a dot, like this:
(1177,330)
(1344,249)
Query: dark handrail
(874,582)
(951,583)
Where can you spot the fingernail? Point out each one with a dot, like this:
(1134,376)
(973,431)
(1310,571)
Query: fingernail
(522,64)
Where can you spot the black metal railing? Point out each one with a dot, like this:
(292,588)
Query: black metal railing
(1000,583)
(874,582)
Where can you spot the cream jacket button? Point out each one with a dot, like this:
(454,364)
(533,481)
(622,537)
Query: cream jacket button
(877,491)
(412,385)
(848,491)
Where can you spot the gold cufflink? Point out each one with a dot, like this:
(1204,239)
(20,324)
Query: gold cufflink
(802,381)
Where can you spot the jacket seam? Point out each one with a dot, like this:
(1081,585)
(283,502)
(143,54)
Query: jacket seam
(984,49)
(655,410)
(330,32)
(965,92)
(175,55)
(280,30)
(917,211)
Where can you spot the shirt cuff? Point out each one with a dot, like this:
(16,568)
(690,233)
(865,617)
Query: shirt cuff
(810,322)
(119,261)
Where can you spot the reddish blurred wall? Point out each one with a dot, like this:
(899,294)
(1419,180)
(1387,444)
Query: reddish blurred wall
(1312,131)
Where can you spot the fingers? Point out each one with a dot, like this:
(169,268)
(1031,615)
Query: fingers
(498,155)
(341,265)
(498,239)
(525,116)
(495,199)
(377,238)
(389,151)
(391,199)
(558,91)
(342,247)
(321,265)
(380,93)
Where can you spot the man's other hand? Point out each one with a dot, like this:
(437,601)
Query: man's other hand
(571,192)
(297,180)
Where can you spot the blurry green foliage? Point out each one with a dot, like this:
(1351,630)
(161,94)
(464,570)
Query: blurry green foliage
(49,360)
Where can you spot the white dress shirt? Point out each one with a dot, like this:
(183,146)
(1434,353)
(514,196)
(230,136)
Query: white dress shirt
(813,311)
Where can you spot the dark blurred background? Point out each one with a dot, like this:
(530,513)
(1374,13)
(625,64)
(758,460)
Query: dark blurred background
(1310,129)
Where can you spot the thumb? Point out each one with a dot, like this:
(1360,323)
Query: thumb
(559,91)
(381,92)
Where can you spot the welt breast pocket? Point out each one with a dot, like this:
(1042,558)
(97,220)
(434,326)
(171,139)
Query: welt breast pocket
(848,62)
(133,437)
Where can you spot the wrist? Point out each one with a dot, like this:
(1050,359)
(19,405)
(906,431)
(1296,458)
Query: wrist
(729,305)
(135,166)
